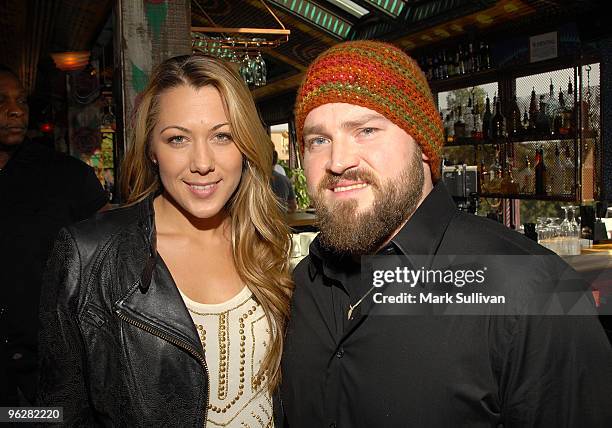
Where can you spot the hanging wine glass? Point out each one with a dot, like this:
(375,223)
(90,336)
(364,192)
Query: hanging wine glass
(253,70)
(232,56)
(261,70)
(245,69)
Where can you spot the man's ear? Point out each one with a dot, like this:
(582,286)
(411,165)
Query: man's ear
(424,157)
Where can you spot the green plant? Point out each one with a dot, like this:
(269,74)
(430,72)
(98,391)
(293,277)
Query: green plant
(299,186)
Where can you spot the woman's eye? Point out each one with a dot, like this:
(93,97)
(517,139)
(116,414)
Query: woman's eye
(224,138)
(177,139)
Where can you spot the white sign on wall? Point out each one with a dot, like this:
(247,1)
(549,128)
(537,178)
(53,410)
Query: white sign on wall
(543,46)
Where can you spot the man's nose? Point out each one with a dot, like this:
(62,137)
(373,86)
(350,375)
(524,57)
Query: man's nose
(202,158)
(343,156)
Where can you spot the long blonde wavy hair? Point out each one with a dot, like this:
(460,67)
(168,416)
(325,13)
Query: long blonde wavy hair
(260,238)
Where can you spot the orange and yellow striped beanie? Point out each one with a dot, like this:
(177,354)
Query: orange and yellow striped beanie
(378,76)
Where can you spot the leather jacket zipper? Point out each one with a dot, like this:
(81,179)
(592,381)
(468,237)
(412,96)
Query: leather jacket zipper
(181,344)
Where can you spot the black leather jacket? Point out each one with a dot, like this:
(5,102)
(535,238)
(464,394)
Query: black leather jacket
(117,345)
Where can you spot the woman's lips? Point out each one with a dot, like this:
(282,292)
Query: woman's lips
(202,190)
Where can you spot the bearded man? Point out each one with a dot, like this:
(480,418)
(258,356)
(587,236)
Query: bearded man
(371,138)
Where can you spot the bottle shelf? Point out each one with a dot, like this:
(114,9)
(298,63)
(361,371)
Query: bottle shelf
(468,79)
(469,141)
(559,198)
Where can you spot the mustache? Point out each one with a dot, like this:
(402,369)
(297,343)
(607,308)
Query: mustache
(331,180)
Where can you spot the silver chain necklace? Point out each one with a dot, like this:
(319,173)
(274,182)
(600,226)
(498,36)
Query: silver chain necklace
(352,307)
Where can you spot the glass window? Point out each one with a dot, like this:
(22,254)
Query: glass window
(280,137)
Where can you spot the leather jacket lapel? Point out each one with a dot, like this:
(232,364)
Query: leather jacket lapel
(154,302)
(161,307)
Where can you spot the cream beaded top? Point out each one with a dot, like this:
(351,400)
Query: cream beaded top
(234,335)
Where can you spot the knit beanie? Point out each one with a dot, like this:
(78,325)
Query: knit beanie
(378,76)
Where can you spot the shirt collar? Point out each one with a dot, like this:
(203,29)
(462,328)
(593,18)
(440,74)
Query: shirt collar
(421,235)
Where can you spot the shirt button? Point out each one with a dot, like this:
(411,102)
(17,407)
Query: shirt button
(339,354)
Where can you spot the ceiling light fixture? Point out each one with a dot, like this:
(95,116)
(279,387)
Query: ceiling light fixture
(350,7)
(71,61)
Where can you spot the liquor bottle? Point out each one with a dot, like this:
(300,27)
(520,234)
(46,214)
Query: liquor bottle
(542,122)
(450,64)
(477,127)
(444,126)
(459,125)
(568,171)
(495,172)
(449,123)
(470,59)
(564,116)
(525,121)
(551,108)
(468,119)
(540,172)
(569,105)
(444,66)
(461,60)
(533,112)
(483,177)
(454,58)
(486,120)
(477,60)
(498,122)
(481,56)
(515,127)
(555,183)
(429,68)
(558,115)
(436,68)
(526,178)
(485,57)
(509,185)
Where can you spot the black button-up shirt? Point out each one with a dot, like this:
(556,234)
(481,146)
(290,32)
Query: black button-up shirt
(437,371)
(41,191)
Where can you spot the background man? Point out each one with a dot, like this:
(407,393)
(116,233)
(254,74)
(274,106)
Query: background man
(278,168)
(40,192)
(282,187)
(372,138)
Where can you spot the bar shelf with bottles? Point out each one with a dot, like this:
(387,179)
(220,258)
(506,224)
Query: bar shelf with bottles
(534,152)
(456,62)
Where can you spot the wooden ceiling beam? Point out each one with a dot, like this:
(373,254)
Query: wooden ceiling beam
(277,87)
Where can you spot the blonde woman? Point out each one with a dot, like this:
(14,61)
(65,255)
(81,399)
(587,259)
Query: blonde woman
(171,311)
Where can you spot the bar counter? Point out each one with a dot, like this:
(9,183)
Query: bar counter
(598,257)
(301,218)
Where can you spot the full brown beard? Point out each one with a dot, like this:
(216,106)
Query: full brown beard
(344,231)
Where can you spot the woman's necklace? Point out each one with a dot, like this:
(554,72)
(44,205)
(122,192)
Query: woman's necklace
(352,307)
